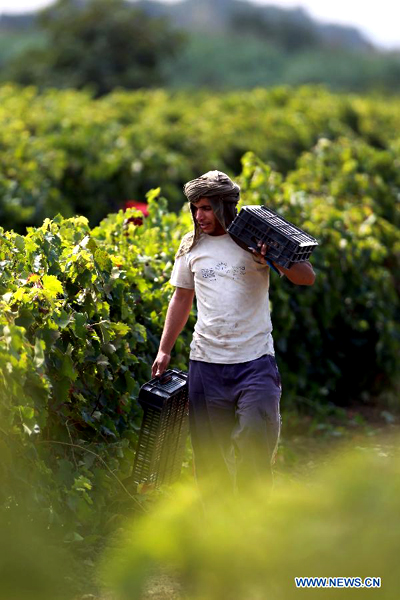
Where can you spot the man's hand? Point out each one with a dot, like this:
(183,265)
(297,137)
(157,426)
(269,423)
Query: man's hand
(260,256)
(160,364)
(300,273)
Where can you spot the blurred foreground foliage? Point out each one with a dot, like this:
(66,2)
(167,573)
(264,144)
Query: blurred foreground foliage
(64,152)
(343,522)
(35,564)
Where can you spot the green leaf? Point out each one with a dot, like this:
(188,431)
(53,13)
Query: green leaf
(67,368)
(79,323)
(120,328)
(19,242)
(39,353)
(103,260)
(27,412)
(153,194)
(63,319)
(52,285)
(50,334)
(25,318)
(102,361)
(105,326)
(20,294)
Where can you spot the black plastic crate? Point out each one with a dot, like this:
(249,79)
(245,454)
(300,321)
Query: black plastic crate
(287,244)
(164,429)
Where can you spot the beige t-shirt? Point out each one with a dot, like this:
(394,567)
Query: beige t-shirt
(233,317)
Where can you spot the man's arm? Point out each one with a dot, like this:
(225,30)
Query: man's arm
(177,316)
(300,273)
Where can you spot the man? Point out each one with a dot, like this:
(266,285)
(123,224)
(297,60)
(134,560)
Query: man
(234,383)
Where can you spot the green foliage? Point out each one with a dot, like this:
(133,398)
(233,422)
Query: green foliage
(81,316)
(278,26)
(82,309)
(13,43)
(343,70)
(244,59)
(63,152)
(343,523)
(221,62)
(339,339)
(102,44)
(34,563)
(227,45)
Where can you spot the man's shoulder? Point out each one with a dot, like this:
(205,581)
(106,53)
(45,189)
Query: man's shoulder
(186,244)
(205,244)
(188,236)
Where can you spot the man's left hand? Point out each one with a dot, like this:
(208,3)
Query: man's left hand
(260,256)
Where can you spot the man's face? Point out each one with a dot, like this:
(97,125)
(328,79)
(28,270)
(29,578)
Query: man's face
(205,217)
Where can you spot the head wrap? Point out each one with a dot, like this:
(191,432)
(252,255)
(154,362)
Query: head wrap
(223,195)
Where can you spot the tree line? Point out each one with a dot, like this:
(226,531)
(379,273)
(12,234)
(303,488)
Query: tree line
(105,44)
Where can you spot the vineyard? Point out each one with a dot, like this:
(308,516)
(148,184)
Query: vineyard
(63,152)
(84,287)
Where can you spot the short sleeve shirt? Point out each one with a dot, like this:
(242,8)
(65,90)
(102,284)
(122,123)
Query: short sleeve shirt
(232,293)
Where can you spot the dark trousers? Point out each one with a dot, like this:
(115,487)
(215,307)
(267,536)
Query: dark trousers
(234,421)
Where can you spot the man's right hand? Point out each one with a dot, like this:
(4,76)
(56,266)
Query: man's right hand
(177,315)
(160,364)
